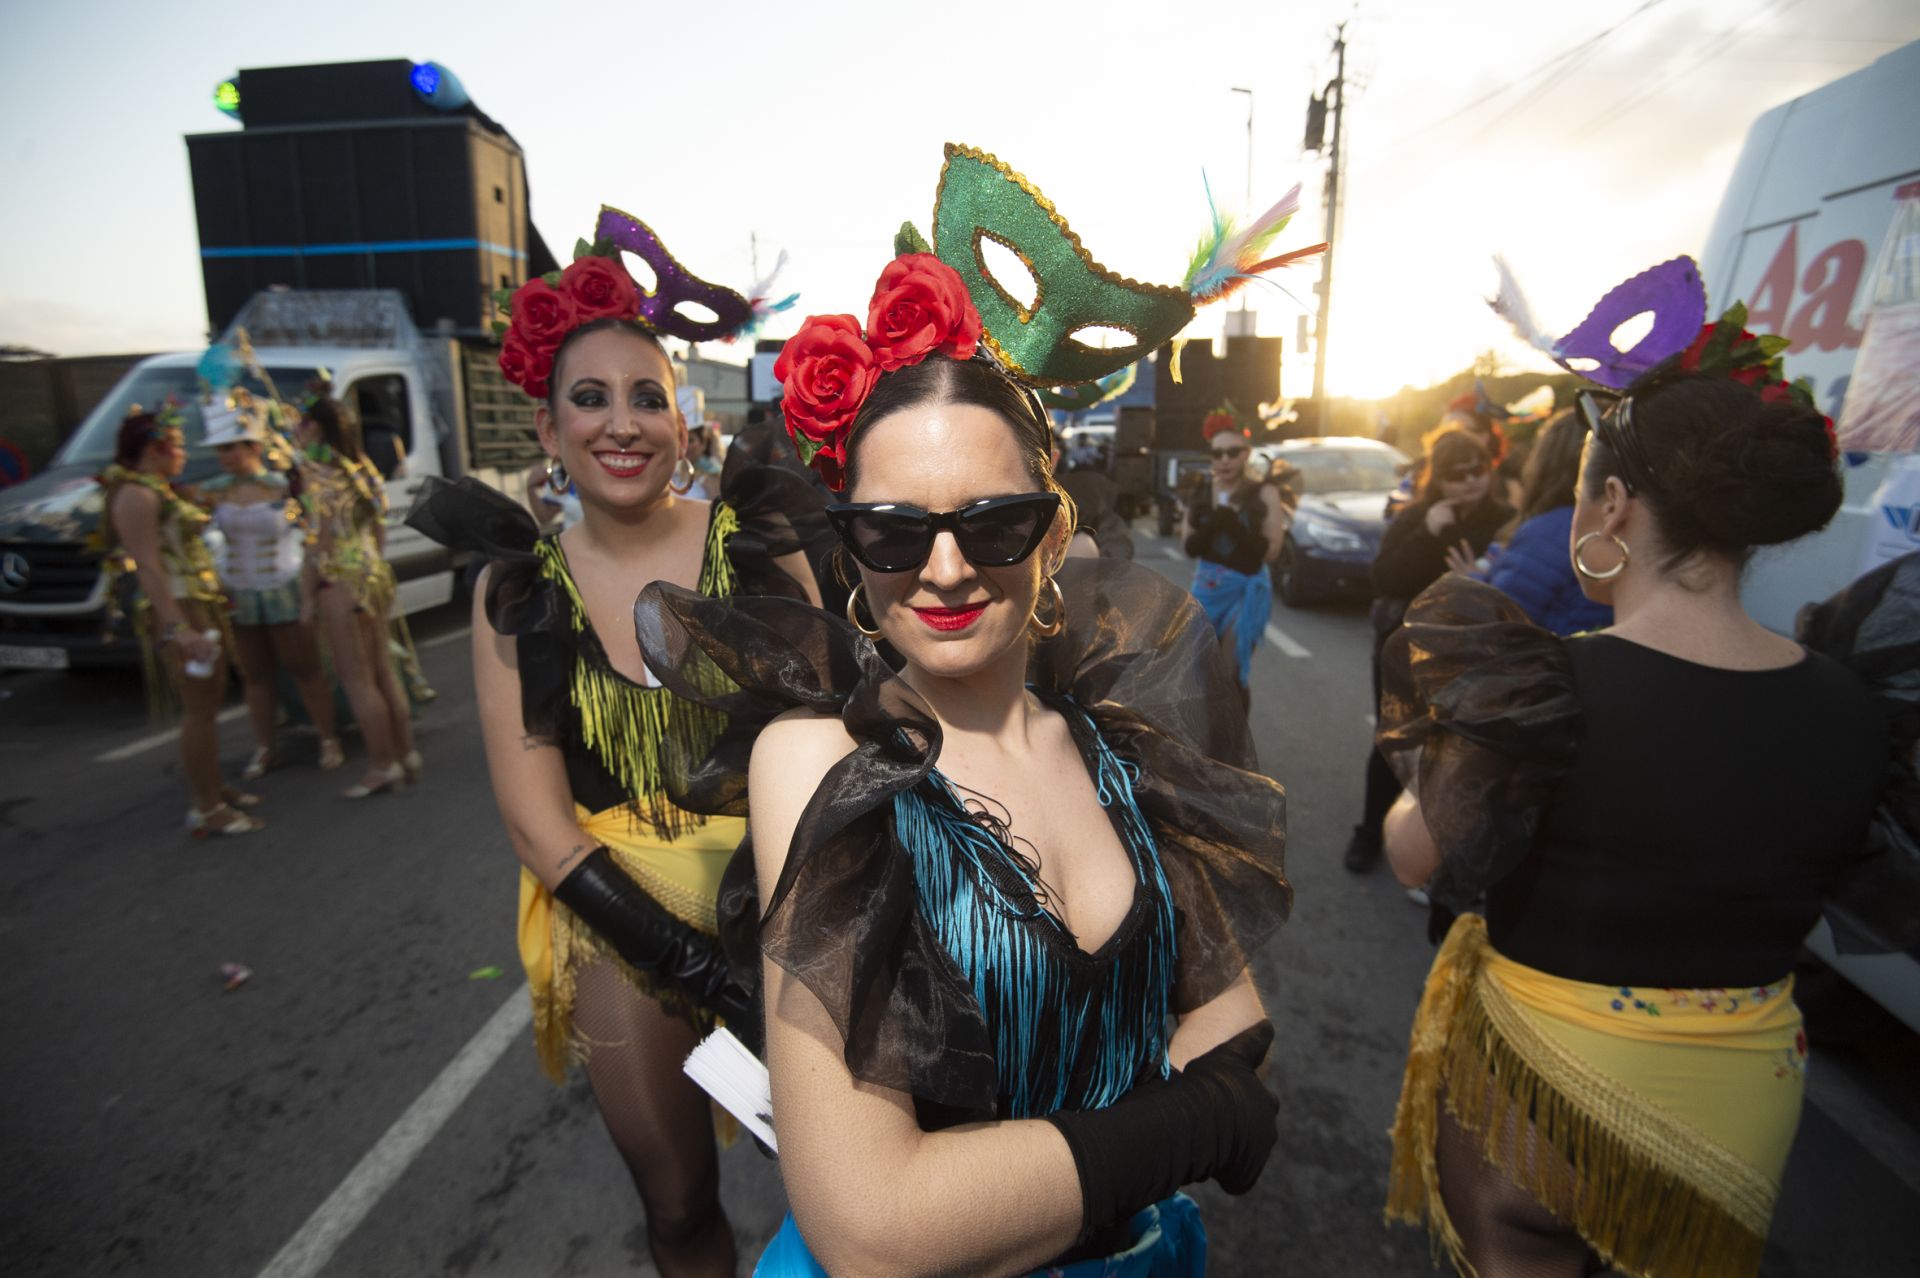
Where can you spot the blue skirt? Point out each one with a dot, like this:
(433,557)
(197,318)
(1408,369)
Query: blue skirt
(1240,602)
(1169,1241)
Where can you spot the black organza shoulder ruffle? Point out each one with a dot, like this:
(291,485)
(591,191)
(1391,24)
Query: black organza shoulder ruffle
(1478,717)
(1136,655)
(779,514)
(1873,628)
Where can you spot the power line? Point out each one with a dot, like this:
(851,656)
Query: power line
(1585,46)
(1713,49)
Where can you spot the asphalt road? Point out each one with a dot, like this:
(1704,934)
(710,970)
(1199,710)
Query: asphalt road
(368,1102)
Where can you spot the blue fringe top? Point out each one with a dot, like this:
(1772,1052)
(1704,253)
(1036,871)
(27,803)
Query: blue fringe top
(1071,1030)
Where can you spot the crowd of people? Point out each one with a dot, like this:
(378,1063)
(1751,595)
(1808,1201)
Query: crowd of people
(1012,859)
(295,584)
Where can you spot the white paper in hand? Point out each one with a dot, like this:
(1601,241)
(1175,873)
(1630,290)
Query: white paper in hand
(735,1077)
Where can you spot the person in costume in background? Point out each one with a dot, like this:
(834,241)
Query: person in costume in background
(181,616)
(1529,556)
(1235,527)
(1454,513)
(353,587)
(1608,1067)
(263,526)
(978,914)
(617,883)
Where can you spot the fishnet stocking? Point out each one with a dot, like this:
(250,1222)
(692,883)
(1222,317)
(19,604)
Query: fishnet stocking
(659,1120)
(1506,1233)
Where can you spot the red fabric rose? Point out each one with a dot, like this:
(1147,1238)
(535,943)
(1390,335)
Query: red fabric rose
(919,306)
(542,314)
(826,371)
(525,367)
(600,287)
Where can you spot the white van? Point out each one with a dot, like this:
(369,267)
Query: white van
(1797,238)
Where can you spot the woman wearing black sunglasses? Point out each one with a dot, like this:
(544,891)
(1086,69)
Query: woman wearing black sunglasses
(992,861)
(1454,512)
(1235,527)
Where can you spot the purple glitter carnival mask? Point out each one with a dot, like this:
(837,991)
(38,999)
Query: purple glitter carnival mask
(1672,291)
(674,285)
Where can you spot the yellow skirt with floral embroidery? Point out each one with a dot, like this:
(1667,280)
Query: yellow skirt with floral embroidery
(682,874)
(1671,1112)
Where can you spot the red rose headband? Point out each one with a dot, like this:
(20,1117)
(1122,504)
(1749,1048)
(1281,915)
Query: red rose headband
(920,307)
(597,286)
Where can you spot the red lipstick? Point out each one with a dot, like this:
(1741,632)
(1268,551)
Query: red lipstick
(951,618)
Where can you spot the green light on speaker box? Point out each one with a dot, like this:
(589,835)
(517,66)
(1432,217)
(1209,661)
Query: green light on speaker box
(226,96)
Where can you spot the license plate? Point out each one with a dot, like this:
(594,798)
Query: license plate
(32,658)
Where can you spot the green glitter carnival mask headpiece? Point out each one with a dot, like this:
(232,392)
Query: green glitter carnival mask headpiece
(982,200)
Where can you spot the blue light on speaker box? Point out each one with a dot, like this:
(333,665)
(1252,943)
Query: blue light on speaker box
(438,87)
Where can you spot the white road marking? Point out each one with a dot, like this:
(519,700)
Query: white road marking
(449,637)
(158,739)
(309,1250)
(1285,642)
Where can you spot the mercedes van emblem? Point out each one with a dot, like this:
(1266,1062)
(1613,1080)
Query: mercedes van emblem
(13,572)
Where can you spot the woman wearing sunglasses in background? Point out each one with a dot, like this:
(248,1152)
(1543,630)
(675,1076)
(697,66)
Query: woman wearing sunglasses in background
(1235,527)
(618,882)
(979,911)
(1453,511)
(180,613)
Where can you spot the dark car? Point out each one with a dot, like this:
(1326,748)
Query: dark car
(1342,483)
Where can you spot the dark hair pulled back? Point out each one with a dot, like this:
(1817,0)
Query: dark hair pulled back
(602,325)
(1730,472)
(940,380)
(137,430)
(339,426)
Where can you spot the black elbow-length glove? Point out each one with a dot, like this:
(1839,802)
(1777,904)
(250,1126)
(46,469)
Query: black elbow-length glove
(1213,1119)
(649,937)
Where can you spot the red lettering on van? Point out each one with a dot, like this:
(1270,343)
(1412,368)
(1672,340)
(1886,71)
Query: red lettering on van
(1831,280)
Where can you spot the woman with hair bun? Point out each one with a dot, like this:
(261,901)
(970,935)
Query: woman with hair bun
(1608,1064)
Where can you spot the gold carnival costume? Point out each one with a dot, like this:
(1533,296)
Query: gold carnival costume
(188,564)
(346,503)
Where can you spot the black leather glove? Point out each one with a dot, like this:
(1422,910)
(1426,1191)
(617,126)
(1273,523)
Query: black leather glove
(1214,1119)
(646,935)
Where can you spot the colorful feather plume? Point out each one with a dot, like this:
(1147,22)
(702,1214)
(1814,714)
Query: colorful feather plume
(1229,256)
(758,299)
(1510,304)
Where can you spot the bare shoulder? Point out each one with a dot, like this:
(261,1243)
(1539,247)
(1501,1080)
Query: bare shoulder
(797,748)
(791,757)
(132,498)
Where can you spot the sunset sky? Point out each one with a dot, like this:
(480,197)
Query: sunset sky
(818,127)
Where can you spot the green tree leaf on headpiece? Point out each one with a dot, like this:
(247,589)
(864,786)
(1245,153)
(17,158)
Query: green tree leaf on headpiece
(909,240)
(598,248)
(552,278)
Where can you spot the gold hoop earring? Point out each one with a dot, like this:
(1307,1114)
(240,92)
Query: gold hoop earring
(1059,622)
(681,486)
(1610,573)
(557,477)
(853,613)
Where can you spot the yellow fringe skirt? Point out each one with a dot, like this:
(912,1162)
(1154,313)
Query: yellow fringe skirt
(682,874)
(1657,1122)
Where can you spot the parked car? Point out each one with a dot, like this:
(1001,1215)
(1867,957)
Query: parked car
(1342,483)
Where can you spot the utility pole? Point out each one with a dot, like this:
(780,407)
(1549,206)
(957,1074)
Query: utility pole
(1337,92)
